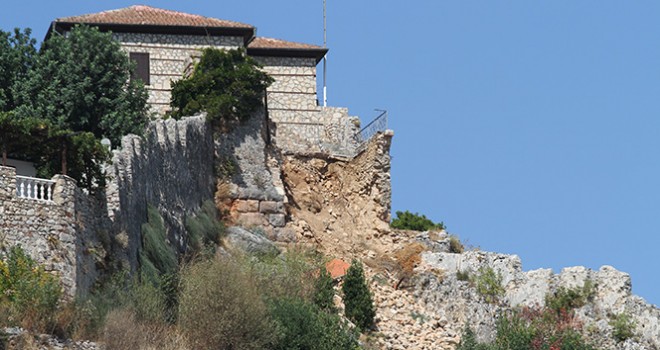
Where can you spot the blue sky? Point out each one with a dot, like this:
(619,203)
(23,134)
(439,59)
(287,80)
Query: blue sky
(528,127)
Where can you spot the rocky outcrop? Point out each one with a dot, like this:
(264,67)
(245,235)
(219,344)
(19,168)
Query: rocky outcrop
(452,298)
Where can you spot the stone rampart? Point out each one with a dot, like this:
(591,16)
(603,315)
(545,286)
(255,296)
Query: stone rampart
(171,169)
(76,234)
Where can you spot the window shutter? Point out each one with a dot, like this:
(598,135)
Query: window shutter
(141,71)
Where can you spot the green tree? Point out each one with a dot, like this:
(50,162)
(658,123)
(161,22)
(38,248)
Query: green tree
(18,135)
(324,291)
(228,85)
(358,303)
(17,56)
(406,220)
(80,82)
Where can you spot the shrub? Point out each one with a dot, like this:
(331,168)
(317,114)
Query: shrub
(28,295)
(324,291)
(531,328)
(304,326)
(157,257)
(409,221)
(291,274)
(568,299)
(455,245)
(623,327)
(204,229)
(124,331)
(220,308)
(228,85)
(489,284)
(463,275)
(358,303)
(469,341)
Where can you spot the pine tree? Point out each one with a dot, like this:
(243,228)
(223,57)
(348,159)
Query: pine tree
(358,303)
(323,291)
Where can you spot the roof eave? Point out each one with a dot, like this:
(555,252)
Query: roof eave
(317,54)
(247,33)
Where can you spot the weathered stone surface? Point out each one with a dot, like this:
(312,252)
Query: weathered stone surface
(247,206)
(239,238)
(459,302)
(277,220)
(271,207)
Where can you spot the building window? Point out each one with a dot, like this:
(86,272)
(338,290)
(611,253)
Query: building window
(141,70)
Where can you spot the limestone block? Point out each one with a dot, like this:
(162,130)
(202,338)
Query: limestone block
(247,206)
(277,220)
(252,219)
(271,207)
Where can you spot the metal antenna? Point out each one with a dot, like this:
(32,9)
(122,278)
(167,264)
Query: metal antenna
(325,59)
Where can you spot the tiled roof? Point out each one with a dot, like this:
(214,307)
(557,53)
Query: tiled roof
(337,268)
(270,43)
(147,15)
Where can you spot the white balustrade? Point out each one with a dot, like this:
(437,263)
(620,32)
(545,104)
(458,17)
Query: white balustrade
(33,188)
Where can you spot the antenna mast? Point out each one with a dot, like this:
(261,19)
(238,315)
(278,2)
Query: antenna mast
(325,59)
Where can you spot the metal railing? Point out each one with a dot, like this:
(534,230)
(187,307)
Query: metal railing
(33,188)
(377,125)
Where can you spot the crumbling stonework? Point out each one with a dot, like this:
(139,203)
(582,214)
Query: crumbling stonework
(338,204)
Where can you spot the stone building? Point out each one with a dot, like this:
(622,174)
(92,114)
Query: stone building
(164,43)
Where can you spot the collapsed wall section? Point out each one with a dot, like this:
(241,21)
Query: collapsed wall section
(337,203)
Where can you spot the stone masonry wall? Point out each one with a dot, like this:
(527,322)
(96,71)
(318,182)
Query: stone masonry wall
(168,56)
(326,130)
(77,234)
(46,230)
(171,169)
(253,192)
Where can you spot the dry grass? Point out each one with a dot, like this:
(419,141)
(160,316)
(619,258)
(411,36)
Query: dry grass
(123,331)
(409,257)
(220,308)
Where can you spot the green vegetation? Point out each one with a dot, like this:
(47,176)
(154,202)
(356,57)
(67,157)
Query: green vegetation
(409,221)
(17,56)
(623,327)
(228,85)
(531,328)
(56,105)
(231,314)
(568,299)
(303,326)
(489,284)
(80,82)
(359,307)
(28,295)
(205,229)
(324,291)
(157,256)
